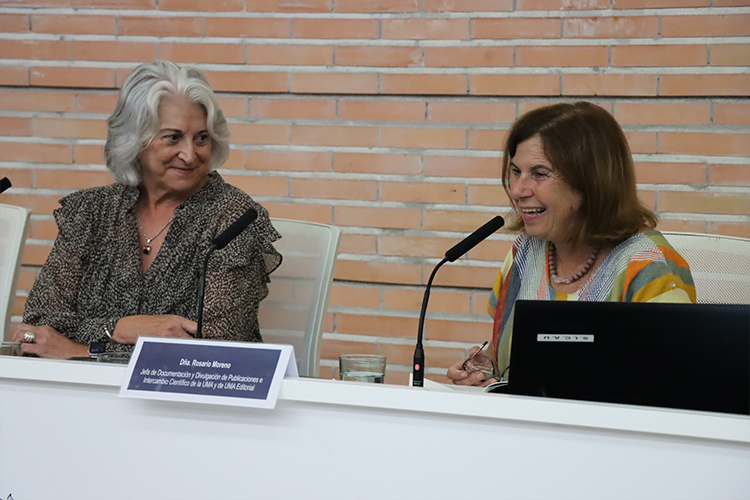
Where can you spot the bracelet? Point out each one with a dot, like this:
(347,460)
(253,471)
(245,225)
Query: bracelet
(106,330)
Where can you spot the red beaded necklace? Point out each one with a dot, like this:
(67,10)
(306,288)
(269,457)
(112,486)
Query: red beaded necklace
(552,258)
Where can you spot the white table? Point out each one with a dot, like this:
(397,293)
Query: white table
(64,433)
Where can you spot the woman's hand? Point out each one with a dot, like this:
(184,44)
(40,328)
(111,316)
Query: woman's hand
(48,343)
(129,328)
(459,376)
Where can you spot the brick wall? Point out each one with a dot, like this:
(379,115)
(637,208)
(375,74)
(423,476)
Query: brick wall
(385,117)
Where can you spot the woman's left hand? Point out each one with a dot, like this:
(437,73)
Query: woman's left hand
(48,343)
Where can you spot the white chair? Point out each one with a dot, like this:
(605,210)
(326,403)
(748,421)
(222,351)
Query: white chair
(295,310)
(13,222)
(720,265)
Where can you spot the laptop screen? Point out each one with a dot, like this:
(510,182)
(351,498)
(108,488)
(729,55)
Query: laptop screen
(687,356)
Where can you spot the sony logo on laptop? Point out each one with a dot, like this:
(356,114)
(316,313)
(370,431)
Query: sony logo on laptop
(562,337)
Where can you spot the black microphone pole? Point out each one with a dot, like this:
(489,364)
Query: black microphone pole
(4,184)
(450,256)
(220,242)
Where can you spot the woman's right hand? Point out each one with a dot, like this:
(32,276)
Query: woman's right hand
(459,376)
(129,328)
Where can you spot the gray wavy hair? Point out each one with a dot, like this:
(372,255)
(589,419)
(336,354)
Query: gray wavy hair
(135,121)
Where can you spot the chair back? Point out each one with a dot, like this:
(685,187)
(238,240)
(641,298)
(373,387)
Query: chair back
(295,310)
(720,265)
(13,222)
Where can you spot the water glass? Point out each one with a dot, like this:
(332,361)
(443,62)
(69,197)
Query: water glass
(362,368)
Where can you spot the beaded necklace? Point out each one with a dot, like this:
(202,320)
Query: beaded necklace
(580,274)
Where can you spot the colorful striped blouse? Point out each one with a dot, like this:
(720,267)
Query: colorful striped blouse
(643,268)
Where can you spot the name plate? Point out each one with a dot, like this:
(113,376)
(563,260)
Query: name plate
(208,371)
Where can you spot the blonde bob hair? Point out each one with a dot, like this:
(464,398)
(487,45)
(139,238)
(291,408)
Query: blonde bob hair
(588,149)
(135,121)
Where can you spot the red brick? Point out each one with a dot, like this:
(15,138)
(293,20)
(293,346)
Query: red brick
(334,83)
(440,138)
(611,27)
(214,53)
(292,55)
(467,5)
(703,26)
(607,85)
(365,244)
(641,142)
(737,229)
(656,4)
(424,29)
(248,81)
(255,133)
(15,23)
(685,226)
(37,203)
(14,75)
(21,178)
(451,57)
(730,54)
(663,113)
(160,26)
(493,250)
(115,4)
(423,84)
(44,76)
(729,175)
(487,139)
(305,108)
(378,272)
(15,126)
(288,5)
(336,28)
(562,5)
(464,276)
(236,160)
(300,211)
(670,173)
(704,144)
(73,128)
(659,55)
(384,110)
(380,325)
(35,152)
(340,189)
(471,112)
(341,136)
(70,179)
(260,186)
(26,279)
(515,28)
(77,24)
(288,161)
(114,51)
(413,246)
(353,55)
(377,6)
(422,192)
(234,106)
(201,5)
(488,195)
(35,255)
(459,166)
(248,27)
(562,56)
(732,113)
(710,85)
(377,163)
(36,49)
(394,218)
(440,301)
(527,85)
(85,154)
(703,202)
(332,349)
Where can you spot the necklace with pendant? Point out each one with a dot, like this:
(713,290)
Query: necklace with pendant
(147,246)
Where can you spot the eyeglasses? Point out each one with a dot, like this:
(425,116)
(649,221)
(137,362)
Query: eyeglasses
(481,363)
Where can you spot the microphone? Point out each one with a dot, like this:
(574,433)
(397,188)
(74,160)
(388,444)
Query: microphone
(450,256)
(4,184)
(220,242)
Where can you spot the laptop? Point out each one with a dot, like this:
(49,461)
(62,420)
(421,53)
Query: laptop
(686,356)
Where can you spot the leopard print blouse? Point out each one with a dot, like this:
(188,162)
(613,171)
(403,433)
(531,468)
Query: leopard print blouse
(93,275)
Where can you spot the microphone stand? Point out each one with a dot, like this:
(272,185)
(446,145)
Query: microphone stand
(201,291)
(418,372)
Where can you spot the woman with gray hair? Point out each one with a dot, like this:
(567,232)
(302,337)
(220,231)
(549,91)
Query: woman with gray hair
(128,256)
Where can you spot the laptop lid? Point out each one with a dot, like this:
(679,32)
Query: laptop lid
(687,356)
